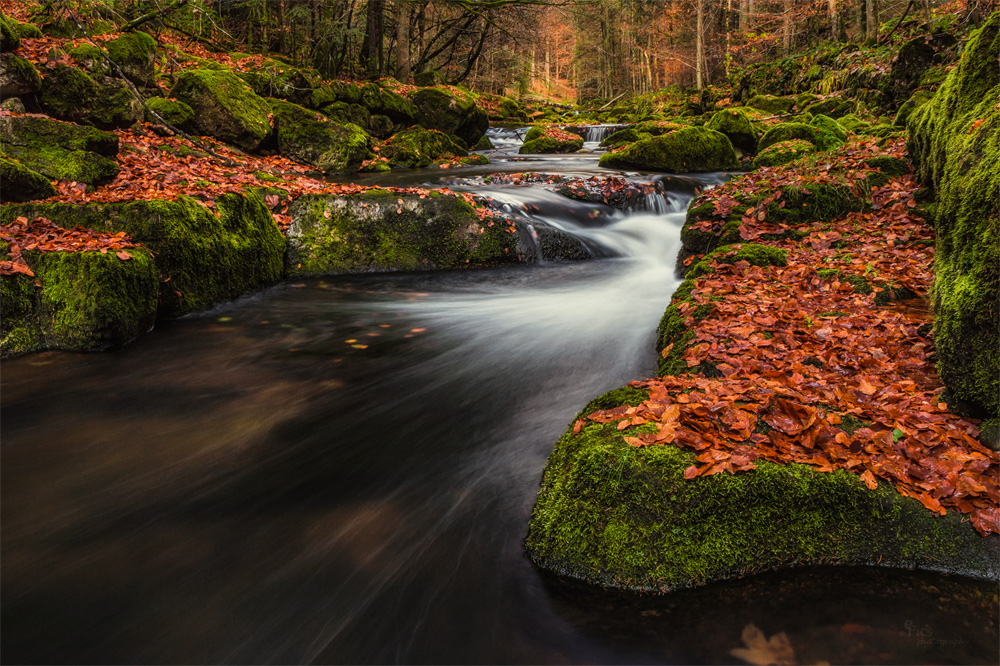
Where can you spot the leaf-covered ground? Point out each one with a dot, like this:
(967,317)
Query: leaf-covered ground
(809,369)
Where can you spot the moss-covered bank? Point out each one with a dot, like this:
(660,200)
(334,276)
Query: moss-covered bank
(78,301)
(202,256)
(380,230)
(619,516)
(955,141)
(686,150)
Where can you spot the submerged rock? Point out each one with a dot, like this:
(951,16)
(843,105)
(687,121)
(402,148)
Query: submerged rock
(381,230)
(687,150)
(955,142)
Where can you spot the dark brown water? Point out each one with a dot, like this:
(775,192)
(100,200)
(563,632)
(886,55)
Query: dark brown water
(341,470)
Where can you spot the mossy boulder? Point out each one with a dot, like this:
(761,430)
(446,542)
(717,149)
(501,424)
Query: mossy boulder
(59,150)
(623,136)
(687,150)
(916,100)
(428,78)
(772,104)
(852,123)
(380,126)
(955,142)
(224,107)
(92,59)
(415,148)
(544,143)
(830,125)
(69,93)
(383,101)
(835,107)
(10,40)
(658,127)
(735,125)
(817,136)
(484,144)
(135,54)
(343,113)
(19,183)
(77,301)
(373,231)
(619,516)
(450,112)
(173,111)
(912,61)
(783,152)
(278,79)
(18,76)
(203,256)
(310,137)
(28,31)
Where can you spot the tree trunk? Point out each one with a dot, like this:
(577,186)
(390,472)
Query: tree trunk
(871,20)
(835,23)
(744,16)
(786,27)
(699,45)
(373,38)
(927,11)
(402,41)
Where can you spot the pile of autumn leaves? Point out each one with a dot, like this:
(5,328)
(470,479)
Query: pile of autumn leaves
(43,235)
(814,372)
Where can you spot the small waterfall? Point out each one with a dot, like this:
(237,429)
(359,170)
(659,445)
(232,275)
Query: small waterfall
(599,133)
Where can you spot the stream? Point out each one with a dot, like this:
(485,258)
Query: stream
(341,470)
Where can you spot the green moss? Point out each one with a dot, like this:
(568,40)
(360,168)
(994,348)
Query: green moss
(224,106)
(783,152)
(134,53)
(28,31)
(18,76)
(834,107)
(687,150)
(620,516)
(444,110)
(955,142)
(174,112)
(71,94)
(819,137)
(851,122)
(771,104)
(373,231)
(296,85)
(484,144)
(735,125)
(21,183)
(60,151)
(310,137)
(201,258)
(830,125)
(86,301)
(627,135)
(10,40)
(548,144)
(535,132)
(414,148)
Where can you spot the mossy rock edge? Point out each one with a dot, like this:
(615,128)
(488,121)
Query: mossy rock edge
(625,517)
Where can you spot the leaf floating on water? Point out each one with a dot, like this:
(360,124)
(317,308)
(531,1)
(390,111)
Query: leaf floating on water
(763,652)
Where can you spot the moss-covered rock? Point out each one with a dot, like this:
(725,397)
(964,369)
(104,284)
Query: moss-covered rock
(955,142)
(623,136)
(28,31)
(911,62)
(830,125)
(18,76)
(77,301)
(687,150)
(735,125)
(546,144)
(834,107)
(310,137)
(60,151)
(772,104)
(783,152)
(71,94)
(19,183)
(135,54)
(428,78)
(852,123)
(380,126)
(817,136)
(201,258)
(383,101)
(224,107)
(294,84)
(373,231)
(415,148)
(173,111)
(343,113)
(450,112)
(484,144)
(616,515)
(10,40)
(658,127)
(916,100)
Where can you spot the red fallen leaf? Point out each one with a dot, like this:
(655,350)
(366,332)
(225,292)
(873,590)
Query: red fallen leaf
(124,256)
(866,387)
(869,480)
(271,200)
(578,426)
(691,472)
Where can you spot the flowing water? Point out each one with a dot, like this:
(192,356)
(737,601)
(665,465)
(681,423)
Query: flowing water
(341,470)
